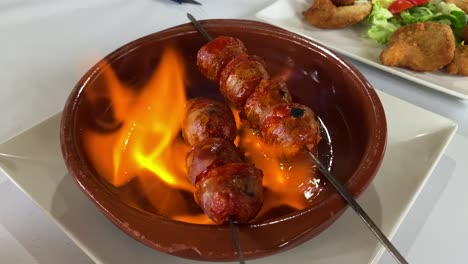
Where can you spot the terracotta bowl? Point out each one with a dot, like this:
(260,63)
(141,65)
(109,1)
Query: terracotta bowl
(334,89)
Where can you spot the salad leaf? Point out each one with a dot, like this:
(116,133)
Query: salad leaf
(443,7)
(385,3)
(382,26)
(459,19)
(383,23)
(416,14)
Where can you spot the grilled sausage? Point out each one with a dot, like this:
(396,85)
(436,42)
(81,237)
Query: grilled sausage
(207,118)
(232,190)
(240,78)
(208,154)
(266,105)
(290,127)
(268,94)
(225,186)
(212,57)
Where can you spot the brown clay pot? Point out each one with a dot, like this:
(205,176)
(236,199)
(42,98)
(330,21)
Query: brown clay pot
(334,89)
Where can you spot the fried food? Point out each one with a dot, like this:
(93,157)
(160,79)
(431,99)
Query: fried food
(343,2)
(459,65)
(462,4)
(421,47)
(465,35)
(324,14)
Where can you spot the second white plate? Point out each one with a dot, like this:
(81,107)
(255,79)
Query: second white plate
(353,43)
(416,140)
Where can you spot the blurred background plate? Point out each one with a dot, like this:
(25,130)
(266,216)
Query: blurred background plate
(353,43)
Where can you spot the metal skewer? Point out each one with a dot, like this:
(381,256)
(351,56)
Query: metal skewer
(231,223)
(236,241)
(199,27)
(358,209)
(339,187)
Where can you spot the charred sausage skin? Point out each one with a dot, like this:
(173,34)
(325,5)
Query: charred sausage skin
(207,119)
(292,125)
(214,56)
(225,185)
(268,94)
(231,190)
(246,85)
(240,78)
(208,154)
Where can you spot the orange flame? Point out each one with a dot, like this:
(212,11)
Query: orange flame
(147,139)
(144,150)
(287,183)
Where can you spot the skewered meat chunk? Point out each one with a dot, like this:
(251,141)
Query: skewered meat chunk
(266,106)
(225,186)
(267,95)
(232,190)
(240,78)
(207,118)
(290,127)
(208,154)
(214,56)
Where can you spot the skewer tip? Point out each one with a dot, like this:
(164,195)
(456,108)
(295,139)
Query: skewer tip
(199,27)
(232,227)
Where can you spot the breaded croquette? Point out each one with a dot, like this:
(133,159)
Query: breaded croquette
(459,65)
(343,2)
(421,47)
(324,14)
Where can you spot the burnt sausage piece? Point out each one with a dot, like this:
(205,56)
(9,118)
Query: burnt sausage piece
(240,78)
(290,127)
(214,56)
(225,186)
(207,118)
(232,190)
(267,95)
(266,105)
(208,154)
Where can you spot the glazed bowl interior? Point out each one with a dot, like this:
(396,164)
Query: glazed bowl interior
(340,96)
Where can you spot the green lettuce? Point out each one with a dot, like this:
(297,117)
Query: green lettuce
(382,26)
(383,23)
(416,14)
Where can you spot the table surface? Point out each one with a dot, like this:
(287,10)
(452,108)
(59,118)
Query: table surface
(47,45)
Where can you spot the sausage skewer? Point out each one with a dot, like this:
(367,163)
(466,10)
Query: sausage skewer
(227,188)
(225,185)
(341,189)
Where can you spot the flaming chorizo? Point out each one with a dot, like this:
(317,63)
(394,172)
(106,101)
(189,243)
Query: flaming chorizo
(208,154)
(268,94)
(291,127)
(212,57)
(231,190)
(240,78)
(225,186)
(267,106)
(207,118)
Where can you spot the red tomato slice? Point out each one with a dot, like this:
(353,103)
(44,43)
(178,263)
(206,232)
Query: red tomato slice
(418,2)
(399,6)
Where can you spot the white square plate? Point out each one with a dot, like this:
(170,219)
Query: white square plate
(352,42)
(416,141)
